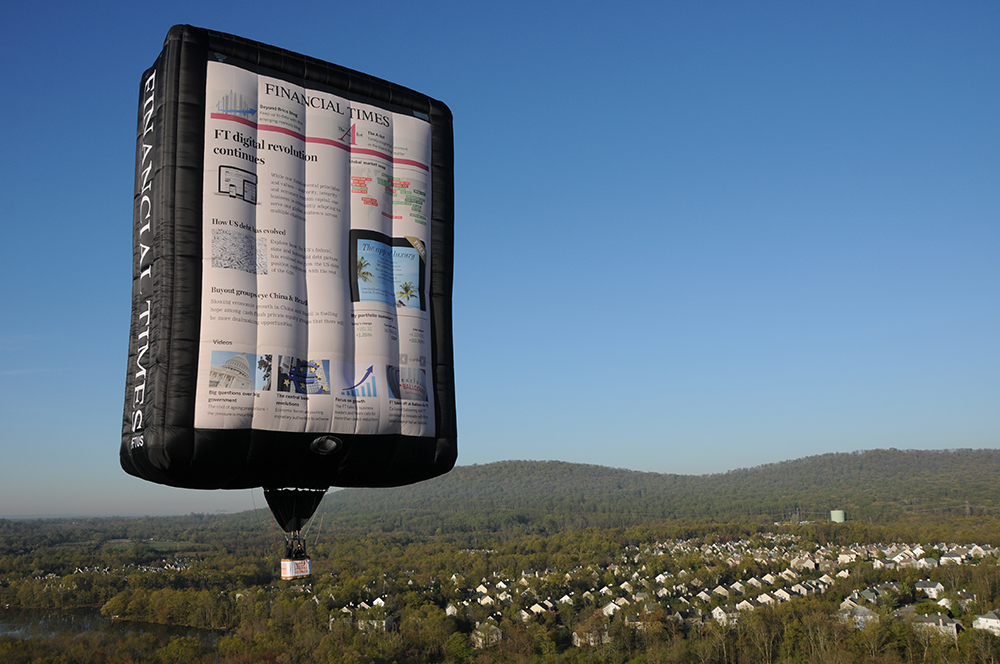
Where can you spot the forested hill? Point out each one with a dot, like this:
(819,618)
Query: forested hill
(876,485)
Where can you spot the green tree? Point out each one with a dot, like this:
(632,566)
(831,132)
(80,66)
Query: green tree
(406,292)
(363,273)
(180,649)
(458,648)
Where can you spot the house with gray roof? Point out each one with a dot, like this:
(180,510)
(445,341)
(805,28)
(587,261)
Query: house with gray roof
(989,621)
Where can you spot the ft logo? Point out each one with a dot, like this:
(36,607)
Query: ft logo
(352,133)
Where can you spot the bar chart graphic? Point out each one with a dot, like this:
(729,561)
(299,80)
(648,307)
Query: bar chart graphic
(366,387)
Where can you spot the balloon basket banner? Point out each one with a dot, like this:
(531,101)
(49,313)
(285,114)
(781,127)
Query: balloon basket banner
(295,569)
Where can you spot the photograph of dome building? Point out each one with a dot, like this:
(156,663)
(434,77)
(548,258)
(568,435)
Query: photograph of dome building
(230,371)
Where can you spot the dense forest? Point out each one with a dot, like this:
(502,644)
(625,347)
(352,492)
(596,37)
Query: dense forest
(390,564)
(877,486)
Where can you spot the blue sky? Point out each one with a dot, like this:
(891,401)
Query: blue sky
(690,236)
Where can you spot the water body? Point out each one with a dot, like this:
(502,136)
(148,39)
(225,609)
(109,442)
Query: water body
(49,623)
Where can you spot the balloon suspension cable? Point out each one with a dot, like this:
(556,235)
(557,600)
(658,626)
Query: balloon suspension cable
(257,517)
(274,536)
(319,530)
(305,528)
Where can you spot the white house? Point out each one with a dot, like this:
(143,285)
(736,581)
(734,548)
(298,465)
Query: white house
(724,616)
(592,638)
(903,556)
(803,562)
(859,616)
(801,589)
(989,621)
(929,588)
(485,635)
(610,609)
(953,557)
(938,622)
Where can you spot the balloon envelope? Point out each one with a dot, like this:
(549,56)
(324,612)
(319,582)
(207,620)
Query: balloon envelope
(292,274)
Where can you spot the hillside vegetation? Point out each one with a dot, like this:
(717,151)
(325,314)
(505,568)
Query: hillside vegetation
(877,486)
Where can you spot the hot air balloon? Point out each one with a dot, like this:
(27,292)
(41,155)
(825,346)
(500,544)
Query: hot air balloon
(292,278)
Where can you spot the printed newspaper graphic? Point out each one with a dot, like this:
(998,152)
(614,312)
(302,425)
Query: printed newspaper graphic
(316,245)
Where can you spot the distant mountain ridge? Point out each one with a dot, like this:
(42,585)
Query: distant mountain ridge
(874,484)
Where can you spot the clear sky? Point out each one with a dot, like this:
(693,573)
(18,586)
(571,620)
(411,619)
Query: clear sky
(690,236)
